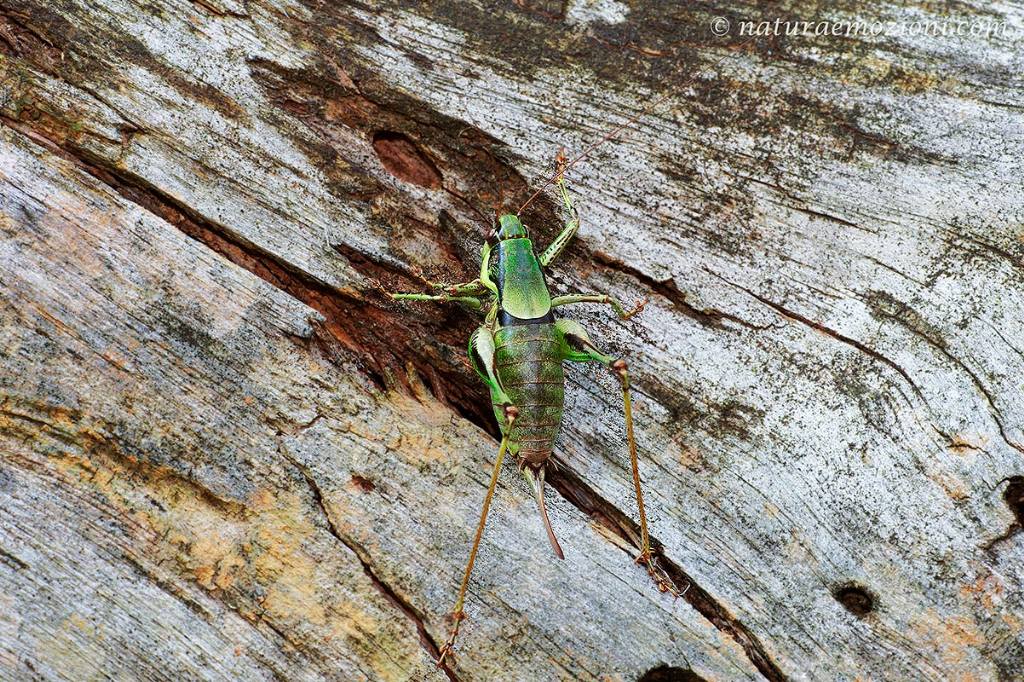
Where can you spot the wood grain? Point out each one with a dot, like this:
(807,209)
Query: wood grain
(226,456)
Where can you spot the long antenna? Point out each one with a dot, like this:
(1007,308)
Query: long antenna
(617,130)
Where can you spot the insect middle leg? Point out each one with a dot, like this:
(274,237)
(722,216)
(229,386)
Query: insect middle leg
(465,292)
(619,309)
(582,349)
(472,302)
(474,288)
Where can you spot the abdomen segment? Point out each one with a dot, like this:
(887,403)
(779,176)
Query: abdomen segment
(529,365)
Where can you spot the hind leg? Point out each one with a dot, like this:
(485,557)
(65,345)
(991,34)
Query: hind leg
(481,354)
(458,615)
(581,349)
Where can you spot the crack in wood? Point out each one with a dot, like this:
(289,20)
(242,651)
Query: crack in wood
(575,491)
(818,326)
(668,289)
(12,560)
(351,320)
(218,11)
(426,640)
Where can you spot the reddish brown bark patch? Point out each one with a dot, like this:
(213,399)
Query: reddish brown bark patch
(403,159)
(363,484)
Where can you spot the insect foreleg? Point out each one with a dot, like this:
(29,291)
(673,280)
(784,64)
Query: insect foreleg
(579,348)
(485,270)
(572,224)
(569,299)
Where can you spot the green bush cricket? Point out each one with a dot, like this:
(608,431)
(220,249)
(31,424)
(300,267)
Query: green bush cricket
(518,353)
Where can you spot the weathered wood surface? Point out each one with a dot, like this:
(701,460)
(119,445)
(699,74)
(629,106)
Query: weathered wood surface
(226,457)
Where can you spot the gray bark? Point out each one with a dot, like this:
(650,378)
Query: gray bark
(226,456)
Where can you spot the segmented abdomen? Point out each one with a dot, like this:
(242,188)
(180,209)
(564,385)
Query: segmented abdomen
(529,367)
